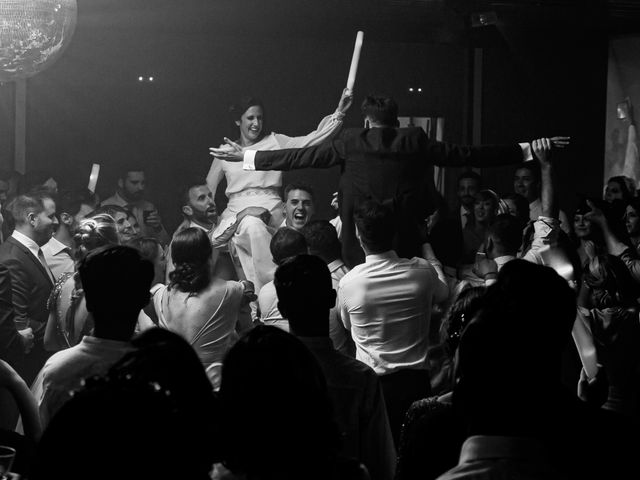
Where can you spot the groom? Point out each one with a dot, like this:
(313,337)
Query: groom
(391,165)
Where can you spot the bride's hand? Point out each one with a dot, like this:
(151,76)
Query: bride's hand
(234,154)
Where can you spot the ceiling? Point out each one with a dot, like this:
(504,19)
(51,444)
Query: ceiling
(445,21)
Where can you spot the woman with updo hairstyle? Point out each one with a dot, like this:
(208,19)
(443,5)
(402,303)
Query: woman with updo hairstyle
(69,319)
(208,312)
(260,188)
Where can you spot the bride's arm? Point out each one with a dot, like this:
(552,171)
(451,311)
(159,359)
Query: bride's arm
(326,128)
(215,175)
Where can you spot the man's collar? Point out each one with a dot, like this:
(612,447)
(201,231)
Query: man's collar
(376,257)
(484,447)
(26,241)
(194,224)
(56,246)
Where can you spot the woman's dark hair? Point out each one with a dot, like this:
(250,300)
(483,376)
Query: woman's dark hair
(611,283)
(294,426)
(242,105)
(464,308)
(191,254)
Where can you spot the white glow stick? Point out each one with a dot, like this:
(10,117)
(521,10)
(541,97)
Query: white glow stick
(93,178)
(354,61)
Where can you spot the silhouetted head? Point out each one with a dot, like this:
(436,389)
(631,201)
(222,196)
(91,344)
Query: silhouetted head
(285,243)
(152,416)
(293,432)
(322,240)
(116,282)
(305,294)
(380,110)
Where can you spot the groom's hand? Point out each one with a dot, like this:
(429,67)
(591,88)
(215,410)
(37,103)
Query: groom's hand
(234,154)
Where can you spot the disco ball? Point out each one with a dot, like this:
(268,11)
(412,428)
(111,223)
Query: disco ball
(33,35)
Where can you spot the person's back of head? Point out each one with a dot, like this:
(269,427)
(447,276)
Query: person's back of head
(322,240)
(504,236)
(375,226)
(191,253)
(380,110)
(294,430)
(152,416)
(305,294)
(519,335)
(70,202)
(285,243)
(116,282)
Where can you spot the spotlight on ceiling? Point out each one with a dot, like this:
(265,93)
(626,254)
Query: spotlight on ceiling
(483,19)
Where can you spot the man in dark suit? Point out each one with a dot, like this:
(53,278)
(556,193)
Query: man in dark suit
(384,163)
(25,284)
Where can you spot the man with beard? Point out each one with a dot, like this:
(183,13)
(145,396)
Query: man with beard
(130,195)
(72,207)
(198,208)
(25,284)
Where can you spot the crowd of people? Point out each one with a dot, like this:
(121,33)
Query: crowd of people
(401,339)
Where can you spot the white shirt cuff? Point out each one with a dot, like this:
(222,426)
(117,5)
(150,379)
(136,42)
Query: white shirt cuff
(249,160)
(526,152)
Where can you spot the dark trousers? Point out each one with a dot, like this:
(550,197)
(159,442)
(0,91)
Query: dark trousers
(401,389)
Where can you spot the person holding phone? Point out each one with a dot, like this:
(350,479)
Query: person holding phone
(130,195)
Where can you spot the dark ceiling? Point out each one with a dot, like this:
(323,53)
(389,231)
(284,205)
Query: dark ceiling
(441,21)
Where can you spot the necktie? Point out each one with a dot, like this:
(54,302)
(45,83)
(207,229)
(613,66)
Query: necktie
(44,264)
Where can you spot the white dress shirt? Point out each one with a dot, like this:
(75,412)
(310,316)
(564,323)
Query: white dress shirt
(58,257)
(386,303)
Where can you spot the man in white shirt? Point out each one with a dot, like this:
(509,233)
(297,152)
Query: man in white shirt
(386,303)
(504,238)
(285,243)
(305,295)
(116,282)
(130,195)
(72,207)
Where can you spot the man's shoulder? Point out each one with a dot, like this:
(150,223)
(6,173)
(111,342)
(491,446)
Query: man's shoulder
(113,200)
(11,252)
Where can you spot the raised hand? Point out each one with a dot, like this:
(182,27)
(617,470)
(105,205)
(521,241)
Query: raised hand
(542,150)
(234,154)
(345,101)
(560,142)
(596,215)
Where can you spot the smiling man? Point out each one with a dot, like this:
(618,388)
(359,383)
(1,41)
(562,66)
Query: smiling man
(25,284)
(299,205)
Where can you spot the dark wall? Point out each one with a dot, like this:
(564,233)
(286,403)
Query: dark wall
(547,83)
(89,107)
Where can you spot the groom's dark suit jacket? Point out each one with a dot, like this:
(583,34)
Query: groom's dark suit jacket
(393,166)
(24,289)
